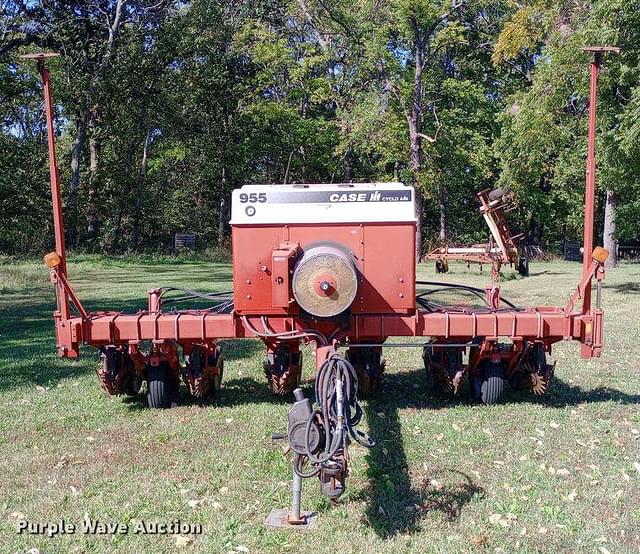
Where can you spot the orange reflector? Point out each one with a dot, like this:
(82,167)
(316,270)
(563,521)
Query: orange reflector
(600,254)
(52,260)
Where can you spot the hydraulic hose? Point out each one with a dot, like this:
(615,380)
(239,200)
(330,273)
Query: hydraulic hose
(338,410)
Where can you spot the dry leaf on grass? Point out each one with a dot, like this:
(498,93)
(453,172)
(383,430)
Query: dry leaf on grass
(15,517)
(182,541)
(436,484)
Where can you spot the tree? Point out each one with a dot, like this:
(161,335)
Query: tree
(543,140)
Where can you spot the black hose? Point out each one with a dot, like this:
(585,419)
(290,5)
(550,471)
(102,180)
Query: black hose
(195,294)
(444,286)
(335,368)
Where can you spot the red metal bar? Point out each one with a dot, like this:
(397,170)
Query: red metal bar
(586,351)
(56,196)
(549,324)
(590,188)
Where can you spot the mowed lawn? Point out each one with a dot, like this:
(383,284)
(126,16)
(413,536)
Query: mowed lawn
(558,474)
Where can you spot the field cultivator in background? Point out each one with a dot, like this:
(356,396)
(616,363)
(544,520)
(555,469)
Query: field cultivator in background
(502,248)
(332,265)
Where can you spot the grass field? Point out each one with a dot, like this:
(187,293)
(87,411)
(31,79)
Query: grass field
(561,474)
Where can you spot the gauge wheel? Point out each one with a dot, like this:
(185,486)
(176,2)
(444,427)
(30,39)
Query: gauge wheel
(159,388)
(493,380)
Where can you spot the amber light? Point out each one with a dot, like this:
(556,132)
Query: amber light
(52,260)
(600,254)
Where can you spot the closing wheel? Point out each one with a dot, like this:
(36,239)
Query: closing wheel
(159,389)
(216,384)
(117,374)
(492,385)
(443,368)
(203,372)
(283,369)
(533,372)
(132,384)
(369,366)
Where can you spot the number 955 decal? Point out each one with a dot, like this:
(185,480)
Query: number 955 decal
(260,197)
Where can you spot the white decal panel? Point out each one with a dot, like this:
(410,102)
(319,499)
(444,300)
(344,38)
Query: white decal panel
(335,203)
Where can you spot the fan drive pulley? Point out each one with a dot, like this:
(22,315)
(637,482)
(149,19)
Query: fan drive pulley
(325,280)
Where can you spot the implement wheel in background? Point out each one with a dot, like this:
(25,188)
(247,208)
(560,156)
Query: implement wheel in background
(523,266)
(442,266)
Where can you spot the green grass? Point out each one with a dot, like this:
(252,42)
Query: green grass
(528,475)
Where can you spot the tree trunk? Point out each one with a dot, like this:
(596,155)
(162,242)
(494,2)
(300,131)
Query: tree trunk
(93,223)
(610,242)
(442,206)
(135,234)
(536,230)
(76,150)
(223,206)
(416,166)
(221,218)
(76,155)
(414,117)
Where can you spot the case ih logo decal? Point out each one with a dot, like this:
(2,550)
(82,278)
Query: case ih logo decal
(334,196)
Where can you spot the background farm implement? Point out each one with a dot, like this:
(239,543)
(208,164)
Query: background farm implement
(502,248)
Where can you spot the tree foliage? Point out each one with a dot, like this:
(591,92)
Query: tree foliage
(164,107)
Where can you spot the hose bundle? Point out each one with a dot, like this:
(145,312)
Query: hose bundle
(338,410)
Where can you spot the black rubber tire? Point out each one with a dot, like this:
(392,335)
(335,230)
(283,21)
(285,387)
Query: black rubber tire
(442,266)
(159,389)
(523,266)
(492,387)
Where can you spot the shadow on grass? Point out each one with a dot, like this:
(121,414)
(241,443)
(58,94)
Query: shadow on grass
(625,288)
(562,394)
(395,505)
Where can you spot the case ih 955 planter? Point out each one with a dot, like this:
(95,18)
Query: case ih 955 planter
(333,265)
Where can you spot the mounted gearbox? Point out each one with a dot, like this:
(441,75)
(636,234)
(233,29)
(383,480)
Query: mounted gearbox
(324,250)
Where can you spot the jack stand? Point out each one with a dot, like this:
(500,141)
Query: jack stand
(282,518)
